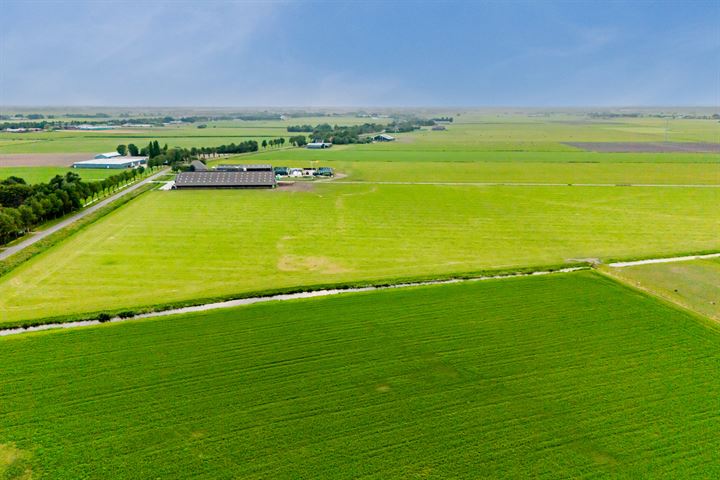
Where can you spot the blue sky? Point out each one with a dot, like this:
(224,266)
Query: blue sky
(370,53)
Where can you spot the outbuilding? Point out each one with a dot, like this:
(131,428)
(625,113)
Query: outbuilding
(112,163)
(383,137)
(210,179)
(317,145)
(107,155)
(198,166)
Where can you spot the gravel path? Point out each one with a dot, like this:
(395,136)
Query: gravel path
(664,260)
(74,218)
(271,298)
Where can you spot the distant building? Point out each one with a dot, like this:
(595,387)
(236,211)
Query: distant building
(383,137)
(198,166)
(210,179)
(318,145)
(439,127)
(295,172)
(244,168)
(308,172)
(324,172)
(107,155)
(117,162)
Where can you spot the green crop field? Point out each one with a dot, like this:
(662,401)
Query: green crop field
(44,174)
(182,245)
(693,284)
(564,376)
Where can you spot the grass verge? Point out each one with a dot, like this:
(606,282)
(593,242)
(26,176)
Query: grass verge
(22,256)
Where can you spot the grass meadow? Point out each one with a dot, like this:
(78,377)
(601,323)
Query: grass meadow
(563,376)
(693,284)
(44,174)
(183,245)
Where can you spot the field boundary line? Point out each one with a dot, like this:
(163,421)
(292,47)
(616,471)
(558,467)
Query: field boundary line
(4,332)
(529,184)
(648,261)
(637,287)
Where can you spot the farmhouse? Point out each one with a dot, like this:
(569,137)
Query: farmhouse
(236,179)
(116,162)
(383,137)
(318,145)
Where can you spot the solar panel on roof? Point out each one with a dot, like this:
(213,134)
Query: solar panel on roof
(226,179)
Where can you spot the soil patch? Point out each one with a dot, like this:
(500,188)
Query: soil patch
(300,186)
(296,263)
(42,159)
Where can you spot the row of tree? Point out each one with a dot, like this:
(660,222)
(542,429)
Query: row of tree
(346,134)
(24,207)
(178,157)
(274,142)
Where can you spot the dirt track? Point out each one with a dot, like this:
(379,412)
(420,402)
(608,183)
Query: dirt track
(42,159)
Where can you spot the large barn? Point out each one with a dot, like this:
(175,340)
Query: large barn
(116,162)
(236,179)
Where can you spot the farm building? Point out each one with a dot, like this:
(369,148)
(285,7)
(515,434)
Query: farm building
(116,163)
(237,179)
(244,168)
(383,137)
(107,155)
(198,166)
(318,145)
(439,127)
(324,172)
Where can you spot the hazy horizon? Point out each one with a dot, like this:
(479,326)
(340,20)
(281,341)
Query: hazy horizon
(127,54)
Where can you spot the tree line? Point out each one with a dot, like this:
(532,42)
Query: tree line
(24,207)
(177,157)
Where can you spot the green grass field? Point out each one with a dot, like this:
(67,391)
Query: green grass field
(693,284)
(474,132)
(44,174)
(565,376)
(182,245)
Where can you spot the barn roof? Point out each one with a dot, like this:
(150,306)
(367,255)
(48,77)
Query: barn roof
(198,166)
(107,155)
(225,180)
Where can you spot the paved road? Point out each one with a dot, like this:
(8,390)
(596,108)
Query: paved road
(82,213)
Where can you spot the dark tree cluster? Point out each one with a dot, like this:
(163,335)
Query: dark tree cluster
(178,157)
(24,207)
(273,142)
(300,128)
(298,140)
(348,134)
